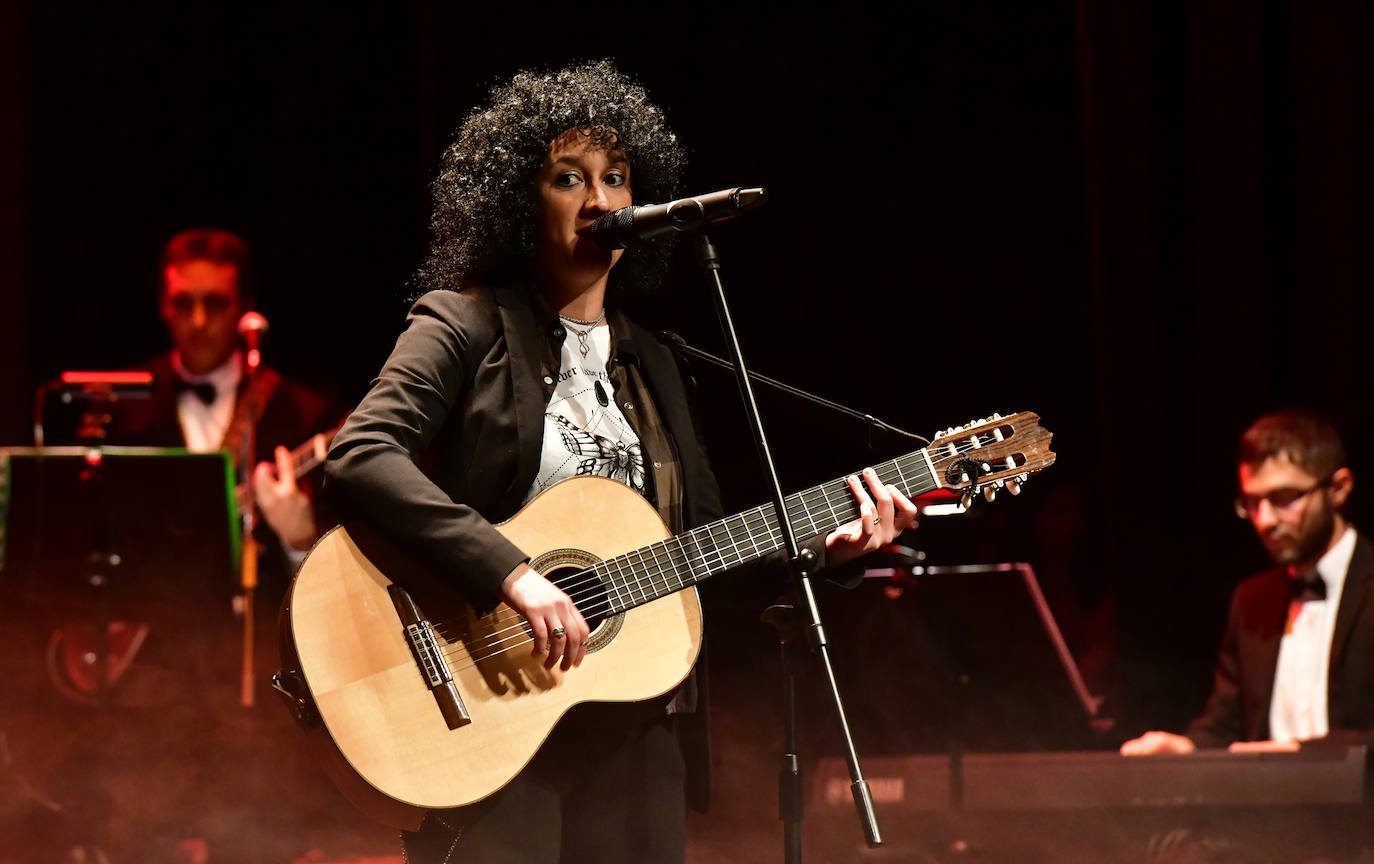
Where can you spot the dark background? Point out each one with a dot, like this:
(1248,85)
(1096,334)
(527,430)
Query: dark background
(1147,222)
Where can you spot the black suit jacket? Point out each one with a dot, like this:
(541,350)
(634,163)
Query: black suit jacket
(1238,709)
(292,414)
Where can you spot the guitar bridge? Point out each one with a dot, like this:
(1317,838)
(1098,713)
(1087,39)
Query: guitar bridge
(426,650)
(424,645)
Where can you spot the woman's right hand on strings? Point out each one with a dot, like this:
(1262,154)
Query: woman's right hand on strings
(546,608)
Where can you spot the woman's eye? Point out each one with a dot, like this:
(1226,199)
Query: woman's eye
(616,179)
(567,180)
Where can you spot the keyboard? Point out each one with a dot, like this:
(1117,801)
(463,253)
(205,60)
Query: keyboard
(1102,779)
(1096,807)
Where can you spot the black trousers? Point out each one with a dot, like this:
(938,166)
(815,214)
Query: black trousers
(607,787)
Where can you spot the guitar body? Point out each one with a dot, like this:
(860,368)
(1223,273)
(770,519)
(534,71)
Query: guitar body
(374,703)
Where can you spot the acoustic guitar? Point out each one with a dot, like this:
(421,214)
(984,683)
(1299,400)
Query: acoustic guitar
(415,702)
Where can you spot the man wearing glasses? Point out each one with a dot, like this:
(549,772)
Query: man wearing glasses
(1297,662)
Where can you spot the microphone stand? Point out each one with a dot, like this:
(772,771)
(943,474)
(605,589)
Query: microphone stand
(801,561)
(681,346)
(784,619)
(248,563)
(101,559)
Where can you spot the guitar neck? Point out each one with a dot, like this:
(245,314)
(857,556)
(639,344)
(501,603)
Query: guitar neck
(304,459)
(679,562)
(310,455)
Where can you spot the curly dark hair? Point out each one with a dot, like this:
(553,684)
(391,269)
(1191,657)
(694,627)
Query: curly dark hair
(484,203)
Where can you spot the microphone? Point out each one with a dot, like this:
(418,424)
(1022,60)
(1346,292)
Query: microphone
(635,224)
(252,327)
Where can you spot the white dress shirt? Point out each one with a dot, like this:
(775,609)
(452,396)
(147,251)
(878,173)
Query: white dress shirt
(204,426)
(1297,711)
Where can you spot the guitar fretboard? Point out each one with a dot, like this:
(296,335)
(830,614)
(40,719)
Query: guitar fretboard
(310,455)
(304,459)
(670,565)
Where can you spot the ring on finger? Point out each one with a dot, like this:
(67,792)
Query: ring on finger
(558,632)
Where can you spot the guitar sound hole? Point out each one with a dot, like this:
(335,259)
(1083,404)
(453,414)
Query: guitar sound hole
(586,591)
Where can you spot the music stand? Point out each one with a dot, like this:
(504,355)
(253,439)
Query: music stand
(957,659)
(94,536)
(993,648)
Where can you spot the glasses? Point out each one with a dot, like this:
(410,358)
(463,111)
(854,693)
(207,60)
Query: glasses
(1280,500)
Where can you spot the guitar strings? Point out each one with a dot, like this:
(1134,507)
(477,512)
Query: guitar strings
(761,518)
(657,577)
(519,632)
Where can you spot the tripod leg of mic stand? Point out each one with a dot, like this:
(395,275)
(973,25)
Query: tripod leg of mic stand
(249,582)
(790,807)
(783,617)
(790,798)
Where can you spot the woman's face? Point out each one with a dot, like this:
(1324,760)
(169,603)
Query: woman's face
(581,179)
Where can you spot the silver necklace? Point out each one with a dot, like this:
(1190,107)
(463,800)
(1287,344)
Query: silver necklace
(582,335)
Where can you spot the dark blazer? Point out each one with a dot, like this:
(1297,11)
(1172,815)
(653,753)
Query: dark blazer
(448,439)
(1238,709)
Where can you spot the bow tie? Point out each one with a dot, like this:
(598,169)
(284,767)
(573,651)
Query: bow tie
(1309,586)
(204,390)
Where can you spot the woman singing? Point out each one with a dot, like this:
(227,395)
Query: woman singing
(516,371)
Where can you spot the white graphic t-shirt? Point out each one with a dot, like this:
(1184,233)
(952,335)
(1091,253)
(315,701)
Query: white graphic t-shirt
(584,431)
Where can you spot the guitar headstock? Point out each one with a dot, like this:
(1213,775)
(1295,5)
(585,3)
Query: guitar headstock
(990,454)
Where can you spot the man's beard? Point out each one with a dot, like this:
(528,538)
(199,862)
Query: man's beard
(1310,540)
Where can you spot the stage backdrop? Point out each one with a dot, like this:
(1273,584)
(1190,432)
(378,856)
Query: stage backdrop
(1148,222)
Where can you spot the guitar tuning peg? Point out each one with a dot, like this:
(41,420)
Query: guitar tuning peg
(989,492)
(996,416)
(1014,486)
(966,499)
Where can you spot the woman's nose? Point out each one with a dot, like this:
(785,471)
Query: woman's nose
(596,201)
